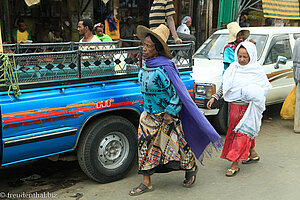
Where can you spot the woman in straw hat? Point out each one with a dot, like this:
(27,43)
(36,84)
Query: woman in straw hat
(172,130)
(236,36)
(244,85)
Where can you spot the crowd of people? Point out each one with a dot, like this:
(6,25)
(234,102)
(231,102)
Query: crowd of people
(160,13)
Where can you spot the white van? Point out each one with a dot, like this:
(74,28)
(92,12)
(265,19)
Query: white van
(274,52)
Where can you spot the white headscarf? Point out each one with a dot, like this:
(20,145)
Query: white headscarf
(247,83)
(183,28)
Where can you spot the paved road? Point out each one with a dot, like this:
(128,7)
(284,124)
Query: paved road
(275,177)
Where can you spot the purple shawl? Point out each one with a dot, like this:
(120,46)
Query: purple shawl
(198,132)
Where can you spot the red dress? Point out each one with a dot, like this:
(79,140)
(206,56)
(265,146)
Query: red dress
(237,145)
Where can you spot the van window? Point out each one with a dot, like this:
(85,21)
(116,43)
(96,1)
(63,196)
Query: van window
(281,47)
(260,43)
(213,47)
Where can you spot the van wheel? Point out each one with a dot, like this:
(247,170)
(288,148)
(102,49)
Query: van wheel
(221,120)
(107,149)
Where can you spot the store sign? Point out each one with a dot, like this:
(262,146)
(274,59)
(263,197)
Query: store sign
(105,1)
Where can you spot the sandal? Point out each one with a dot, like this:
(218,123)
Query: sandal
(233,171)
(188,176)
(143,188)
(250,160)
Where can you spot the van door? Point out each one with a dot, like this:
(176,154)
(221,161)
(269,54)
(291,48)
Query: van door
(279,75)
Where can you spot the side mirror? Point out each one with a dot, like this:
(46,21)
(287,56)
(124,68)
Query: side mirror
(280,60)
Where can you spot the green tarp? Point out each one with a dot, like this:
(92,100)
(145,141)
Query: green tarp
(227,12)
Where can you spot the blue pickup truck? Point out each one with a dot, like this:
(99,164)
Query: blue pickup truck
(84,102)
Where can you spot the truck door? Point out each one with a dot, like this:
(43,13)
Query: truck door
(37,127)
(279,74)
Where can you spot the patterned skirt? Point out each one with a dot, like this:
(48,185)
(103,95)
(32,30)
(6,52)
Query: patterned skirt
(237,145)
(162,147)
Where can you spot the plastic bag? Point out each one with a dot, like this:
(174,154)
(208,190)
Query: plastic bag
(288,107)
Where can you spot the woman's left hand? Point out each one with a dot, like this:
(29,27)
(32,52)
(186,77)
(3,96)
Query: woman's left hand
(168,118)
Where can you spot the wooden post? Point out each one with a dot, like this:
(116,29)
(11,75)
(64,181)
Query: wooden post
(1,47)
(297,111)
(206,19)
(210,17)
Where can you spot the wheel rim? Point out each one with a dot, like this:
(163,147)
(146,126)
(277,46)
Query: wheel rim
(113,150)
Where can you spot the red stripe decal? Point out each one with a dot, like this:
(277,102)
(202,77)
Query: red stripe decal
(69,111)
(41,120)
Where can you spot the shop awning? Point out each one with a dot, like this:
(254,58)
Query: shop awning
(284,9)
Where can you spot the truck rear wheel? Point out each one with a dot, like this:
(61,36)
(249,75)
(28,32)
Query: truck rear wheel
(107,149)
(221,120)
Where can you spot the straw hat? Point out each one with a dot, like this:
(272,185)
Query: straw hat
(234,28)
(161,33)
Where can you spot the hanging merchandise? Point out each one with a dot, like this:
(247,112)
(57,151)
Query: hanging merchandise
(31,2)
(112,27)
(105,1)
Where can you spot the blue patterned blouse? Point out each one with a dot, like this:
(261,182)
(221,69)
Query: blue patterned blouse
(158,92)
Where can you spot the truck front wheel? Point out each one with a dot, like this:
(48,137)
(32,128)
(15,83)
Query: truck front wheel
(221,120)
(107,149)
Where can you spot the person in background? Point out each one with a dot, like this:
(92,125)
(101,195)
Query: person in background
(236,36)
(128,29)
(172,133)
(57,36)
(185,24)
(243,21)
(268,22)
(99,30)
(296,71)
(244,86)
(162,11)
(21,34)
(85,28)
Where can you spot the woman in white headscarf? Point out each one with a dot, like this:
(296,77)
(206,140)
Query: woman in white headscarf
(244,86)
(184,27)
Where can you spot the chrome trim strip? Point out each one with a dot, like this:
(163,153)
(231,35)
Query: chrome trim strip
(14,142)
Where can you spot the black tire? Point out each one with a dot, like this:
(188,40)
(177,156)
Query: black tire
(221,120)
(107,149)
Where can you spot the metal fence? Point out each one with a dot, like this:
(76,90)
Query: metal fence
(21,48)
(78,64)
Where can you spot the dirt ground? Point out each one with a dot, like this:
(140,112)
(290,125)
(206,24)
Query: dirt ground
(276,176)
